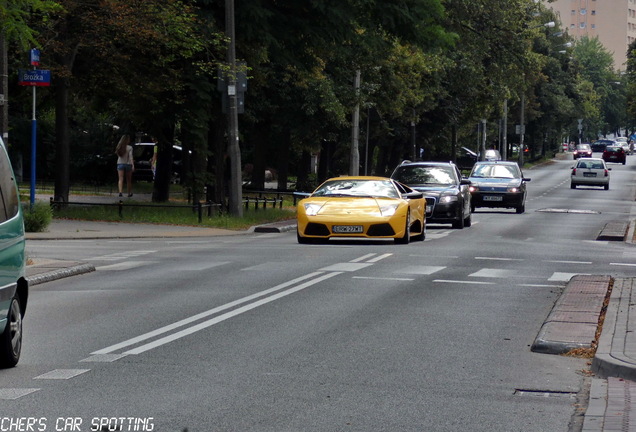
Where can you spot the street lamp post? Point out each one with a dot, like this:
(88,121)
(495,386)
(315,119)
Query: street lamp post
(236,191)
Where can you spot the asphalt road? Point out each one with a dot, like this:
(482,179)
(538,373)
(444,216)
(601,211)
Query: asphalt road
(258,333)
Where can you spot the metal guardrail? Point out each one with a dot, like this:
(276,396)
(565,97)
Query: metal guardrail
(198,207)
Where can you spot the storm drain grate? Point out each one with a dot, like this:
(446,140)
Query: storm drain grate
(545,393)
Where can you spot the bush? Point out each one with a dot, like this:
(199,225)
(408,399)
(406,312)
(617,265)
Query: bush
(38,217)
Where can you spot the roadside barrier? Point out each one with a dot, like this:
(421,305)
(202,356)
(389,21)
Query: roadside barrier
(210,207)
(258,201)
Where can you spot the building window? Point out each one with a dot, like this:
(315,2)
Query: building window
(573,12)
(582,25)
(593,12)
(583,11)
(593,26)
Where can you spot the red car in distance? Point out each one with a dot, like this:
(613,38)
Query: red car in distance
(582,150)
(615,153)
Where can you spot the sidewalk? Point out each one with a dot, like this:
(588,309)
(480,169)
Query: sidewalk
(41,270)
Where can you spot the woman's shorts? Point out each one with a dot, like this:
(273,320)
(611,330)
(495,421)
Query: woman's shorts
(124,167)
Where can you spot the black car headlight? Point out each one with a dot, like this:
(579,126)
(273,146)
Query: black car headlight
(446,199)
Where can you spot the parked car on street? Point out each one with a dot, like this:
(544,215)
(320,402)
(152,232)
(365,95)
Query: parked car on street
(362,206)
(582,150)
(14,288)
(492,155)
(615,153)
(142,154)
(446,192)
(498,184)
(590,172)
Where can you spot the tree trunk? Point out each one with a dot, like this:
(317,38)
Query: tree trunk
(62,170)
(283,162)
(260,155)
(163,176)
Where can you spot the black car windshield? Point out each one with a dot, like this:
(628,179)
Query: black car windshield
(421,175)
(496,171)
(359,188)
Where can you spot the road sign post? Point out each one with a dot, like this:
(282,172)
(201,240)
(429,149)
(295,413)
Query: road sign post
(34,78)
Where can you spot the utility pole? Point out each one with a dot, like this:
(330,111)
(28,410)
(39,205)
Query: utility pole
(504,133)
(354,160)
(522,129)
(234,150)
(482,150)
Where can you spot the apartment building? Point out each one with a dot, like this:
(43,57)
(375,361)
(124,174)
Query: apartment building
(613,21)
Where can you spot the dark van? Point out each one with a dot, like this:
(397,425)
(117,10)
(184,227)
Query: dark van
(14,288)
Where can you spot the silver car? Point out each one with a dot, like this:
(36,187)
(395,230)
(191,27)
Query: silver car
(590,172)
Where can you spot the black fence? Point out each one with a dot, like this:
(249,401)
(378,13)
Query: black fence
(254,199)
(210,208)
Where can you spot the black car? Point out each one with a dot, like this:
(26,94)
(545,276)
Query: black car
(446,192)
(142,155)
(599,145)
(498,184)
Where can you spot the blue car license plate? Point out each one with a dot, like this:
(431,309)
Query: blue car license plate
(347,229)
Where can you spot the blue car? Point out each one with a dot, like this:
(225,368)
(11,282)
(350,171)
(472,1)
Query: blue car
(498,184)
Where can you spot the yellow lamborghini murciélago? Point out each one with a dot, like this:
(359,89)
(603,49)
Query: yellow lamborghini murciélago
(362,206)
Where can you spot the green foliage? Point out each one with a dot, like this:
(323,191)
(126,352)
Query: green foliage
(38,217)
(15,17)
(150,66)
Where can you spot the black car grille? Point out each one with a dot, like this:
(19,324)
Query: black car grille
(380,230)
(316,229)
(430,203)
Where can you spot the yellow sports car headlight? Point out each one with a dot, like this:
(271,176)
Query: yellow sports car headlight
(312,209)
(388,210)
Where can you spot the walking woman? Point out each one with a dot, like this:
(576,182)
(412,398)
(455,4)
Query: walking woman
(125,164)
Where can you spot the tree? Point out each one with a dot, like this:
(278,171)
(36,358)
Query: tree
(121,43)
(14,24)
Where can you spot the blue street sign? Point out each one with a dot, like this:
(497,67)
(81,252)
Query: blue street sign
(35,57)
(34,77)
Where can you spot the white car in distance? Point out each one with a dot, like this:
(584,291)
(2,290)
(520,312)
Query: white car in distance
(590,172)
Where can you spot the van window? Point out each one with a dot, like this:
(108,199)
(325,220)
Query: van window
(8,193)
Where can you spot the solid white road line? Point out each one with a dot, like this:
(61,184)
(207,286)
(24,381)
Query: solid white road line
(201,315)
(225,316)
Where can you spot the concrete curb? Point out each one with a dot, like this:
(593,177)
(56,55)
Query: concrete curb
(275,227)
(595,412)
(60,273)
(610,359)
(573,321)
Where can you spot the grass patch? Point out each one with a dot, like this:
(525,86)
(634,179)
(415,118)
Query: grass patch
(172,214)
